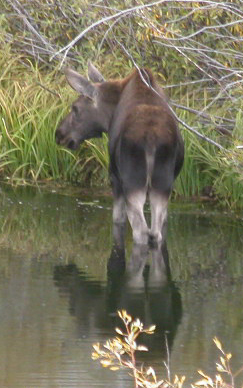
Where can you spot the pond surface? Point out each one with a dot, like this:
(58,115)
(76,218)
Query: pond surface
(57,297)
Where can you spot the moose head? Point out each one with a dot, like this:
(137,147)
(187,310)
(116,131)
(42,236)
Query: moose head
(89,115)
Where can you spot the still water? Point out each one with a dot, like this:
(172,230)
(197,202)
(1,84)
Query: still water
(57,297)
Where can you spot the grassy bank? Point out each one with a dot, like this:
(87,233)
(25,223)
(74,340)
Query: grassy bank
(33,101)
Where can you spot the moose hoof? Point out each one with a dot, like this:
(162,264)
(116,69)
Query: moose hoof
(154,240)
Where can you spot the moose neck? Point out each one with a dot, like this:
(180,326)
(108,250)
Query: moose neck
(109,96)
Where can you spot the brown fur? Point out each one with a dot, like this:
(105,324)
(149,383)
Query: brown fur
(145,146)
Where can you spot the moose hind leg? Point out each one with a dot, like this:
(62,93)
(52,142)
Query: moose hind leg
(134,206)
(158,204)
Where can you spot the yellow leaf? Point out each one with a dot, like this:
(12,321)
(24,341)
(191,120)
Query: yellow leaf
(228,356)
(151,328)
(219,368)
(96,347)
(150,371)
(142,348)
(218,344)
(203,383)
(124,316)
(105,363)
(121,313)
(118,331)
(223,361)
(137,323)
(203,374)
(95,356)
(179,382)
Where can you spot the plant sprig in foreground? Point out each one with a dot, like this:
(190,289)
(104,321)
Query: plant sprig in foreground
(120,352)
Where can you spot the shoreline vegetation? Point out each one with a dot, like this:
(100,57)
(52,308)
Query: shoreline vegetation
(195,50)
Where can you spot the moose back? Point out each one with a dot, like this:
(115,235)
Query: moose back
(145,146)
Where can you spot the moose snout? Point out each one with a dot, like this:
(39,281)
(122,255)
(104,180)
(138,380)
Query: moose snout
(64,139)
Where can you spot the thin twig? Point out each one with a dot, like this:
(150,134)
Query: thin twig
(48,90)
(167,364)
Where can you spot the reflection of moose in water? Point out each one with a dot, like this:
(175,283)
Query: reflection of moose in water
(144,291)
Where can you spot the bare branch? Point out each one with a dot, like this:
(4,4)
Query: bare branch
(23,14)
(96,24)
(172,111)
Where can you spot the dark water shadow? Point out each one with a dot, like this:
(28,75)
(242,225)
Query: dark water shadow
(143,289)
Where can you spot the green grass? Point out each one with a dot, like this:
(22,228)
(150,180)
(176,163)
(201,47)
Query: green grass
(29,116)
(32,102)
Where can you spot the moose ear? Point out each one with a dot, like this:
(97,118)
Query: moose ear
(94,74)
(80,83)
